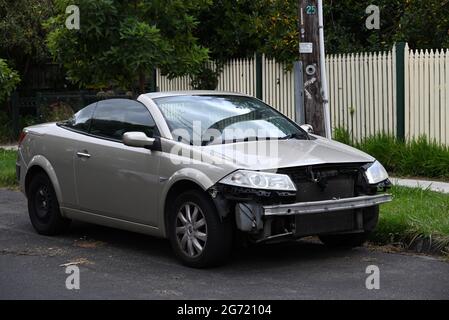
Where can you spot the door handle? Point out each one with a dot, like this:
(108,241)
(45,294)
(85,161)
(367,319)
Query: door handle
(83,154)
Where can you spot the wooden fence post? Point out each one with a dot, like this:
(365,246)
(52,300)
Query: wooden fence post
(400,94)
(259,94)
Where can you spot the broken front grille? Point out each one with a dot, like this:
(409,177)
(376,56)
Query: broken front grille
(324,182)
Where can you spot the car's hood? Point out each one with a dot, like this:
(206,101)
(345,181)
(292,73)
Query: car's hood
(262,155)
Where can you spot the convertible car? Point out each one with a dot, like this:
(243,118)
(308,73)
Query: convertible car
(201,168)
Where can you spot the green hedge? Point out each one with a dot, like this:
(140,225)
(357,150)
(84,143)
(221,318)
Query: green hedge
(415,158)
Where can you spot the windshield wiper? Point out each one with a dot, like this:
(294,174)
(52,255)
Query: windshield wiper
(296,135)
(235,140)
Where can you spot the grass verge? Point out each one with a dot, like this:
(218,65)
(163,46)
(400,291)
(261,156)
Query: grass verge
(8,168)
(415,218)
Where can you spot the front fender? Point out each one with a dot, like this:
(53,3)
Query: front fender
(44,164)
(189,174)
(193,175)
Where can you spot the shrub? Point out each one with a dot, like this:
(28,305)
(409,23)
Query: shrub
(51,113)
(205,79)
(9,78)
(416,157)
(342,135)
(56,112)
(384,148)
(7,134)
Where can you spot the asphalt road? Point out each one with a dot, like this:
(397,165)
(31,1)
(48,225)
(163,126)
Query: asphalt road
(122,265)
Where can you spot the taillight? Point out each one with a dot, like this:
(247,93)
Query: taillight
(22,136)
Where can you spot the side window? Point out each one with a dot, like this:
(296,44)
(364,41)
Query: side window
(114,117)
(82,119)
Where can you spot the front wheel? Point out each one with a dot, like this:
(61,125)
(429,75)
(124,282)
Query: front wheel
(198,236)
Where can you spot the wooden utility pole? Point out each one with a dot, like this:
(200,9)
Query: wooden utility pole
(309,51)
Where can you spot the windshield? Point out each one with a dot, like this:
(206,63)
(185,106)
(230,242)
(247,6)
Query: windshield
(216,119)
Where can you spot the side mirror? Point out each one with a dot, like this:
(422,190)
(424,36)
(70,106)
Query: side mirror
(307,128)
(137,139)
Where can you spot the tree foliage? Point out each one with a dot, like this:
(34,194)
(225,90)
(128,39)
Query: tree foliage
(9,78)
(119,42)
(229,28)
(22,36)
(238,28)
(424,25)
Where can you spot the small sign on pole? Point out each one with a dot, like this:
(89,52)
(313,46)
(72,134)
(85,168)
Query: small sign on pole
(306,47)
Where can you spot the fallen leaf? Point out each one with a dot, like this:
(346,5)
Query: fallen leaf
(88,244)
(80,261)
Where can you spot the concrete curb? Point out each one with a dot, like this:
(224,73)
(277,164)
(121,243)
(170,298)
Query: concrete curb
(437,186)
(9,147)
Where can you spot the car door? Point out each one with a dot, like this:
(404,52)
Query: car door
(112,179)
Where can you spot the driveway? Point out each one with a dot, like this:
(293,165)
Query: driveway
(117,264)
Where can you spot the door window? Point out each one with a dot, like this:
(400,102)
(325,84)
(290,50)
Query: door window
(114,117)
(82,119)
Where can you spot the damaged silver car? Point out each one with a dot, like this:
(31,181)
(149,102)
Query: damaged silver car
(201,168)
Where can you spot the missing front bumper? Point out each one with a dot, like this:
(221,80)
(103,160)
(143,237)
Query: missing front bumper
(272,222)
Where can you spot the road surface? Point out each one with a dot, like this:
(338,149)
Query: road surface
(116,264)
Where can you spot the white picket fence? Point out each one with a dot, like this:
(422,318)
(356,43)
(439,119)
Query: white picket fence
(362,93)
(239,75)
(427,94)
(278,85)
(362,90)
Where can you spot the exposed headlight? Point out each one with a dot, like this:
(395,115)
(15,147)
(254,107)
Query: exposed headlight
(376,173)
(259,180)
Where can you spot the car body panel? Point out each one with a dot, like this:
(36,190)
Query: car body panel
(117,181)
(289,153)
(52,148)
(90,217)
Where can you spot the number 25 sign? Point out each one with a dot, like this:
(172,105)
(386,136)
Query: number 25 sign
(311,10)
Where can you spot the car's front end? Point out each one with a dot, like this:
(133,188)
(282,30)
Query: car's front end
(303,201)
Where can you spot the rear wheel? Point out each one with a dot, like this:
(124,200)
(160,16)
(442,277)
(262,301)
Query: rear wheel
(198,236)
(43,207)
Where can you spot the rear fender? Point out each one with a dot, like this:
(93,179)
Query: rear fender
(44,164)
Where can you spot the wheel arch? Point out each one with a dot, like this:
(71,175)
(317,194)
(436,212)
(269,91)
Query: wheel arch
(174,190)
(40,164)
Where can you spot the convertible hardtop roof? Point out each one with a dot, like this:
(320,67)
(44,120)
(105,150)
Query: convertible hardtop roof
(154,95)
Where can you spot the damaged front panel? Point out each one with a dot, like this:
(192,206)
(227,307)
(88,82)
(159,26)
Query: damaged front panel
(341,199)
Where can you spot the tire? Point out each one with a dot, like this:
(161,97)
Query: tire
(43,207)
(351,240)
(203,241)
